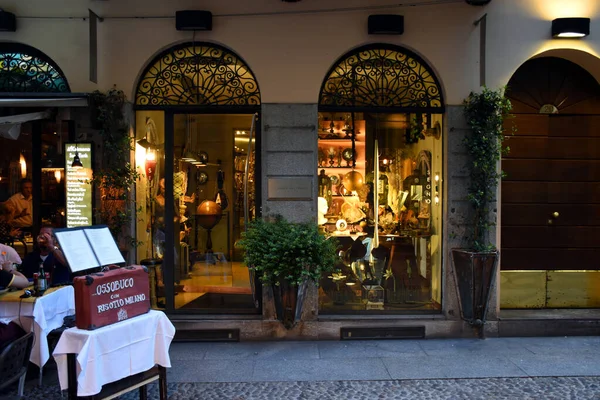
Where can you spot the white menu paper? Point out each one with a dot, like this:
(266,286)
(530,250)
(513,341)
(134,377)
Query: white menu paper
(89,247)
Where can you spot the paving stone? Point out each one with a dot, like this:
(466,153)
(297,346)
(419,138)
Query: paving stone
(558,388)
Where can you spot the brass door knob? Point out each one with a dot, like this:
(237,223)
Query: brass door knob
(555,214)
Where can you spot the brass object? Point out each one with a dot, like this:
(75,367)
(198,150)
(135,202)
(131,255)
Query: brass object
(352,181)
(522,289)
(555,214)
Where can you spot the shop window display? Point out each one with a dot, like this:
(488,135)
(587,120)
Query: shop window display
(379,180)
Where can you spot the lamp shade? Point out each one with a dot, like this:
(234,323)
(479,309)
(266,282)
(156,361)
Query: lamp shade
(570,27)
(76,161)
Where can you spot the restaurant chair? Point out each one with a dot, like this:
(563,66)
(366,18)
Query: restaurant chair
(14,360)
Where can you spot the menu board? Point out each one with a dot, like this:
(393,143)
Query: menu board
(78,193)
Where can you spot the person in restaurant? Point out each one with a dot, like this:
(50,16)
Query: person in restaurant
(10,278)
(47,251)
(22,206)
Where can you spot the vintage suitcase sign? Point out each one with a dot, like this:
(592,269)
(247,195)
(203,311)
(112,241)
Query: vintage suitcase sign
(105,298)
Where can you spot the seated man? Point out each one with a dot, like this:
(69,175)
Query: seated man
(47,252)
(10,277)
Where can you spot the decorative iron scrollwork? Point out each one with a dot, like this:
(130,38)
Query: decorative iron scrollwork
(201,74)
(25,69)
(381,76)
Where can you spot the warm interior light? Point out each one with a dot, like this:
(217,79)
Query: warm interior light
(437,178)
(150,164)
(436,200)
(23,166)
(58,176)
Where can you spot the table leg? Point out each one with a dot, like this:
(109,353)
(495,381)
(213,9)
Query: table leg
(72,376)
(162,382)
(144,392)
(152,276)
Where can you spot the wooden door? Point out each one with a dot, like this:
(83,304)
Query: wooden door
(551,194)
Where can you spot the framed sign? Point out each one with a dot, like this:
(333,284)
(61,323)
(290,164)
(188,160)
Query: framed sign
(78,193)
(289,188)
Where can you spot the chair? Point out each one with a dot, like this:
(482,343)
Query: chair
(14,360)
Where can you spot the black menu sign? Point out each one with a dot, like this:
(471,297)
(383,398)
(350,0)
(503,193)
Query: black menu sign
(78,192)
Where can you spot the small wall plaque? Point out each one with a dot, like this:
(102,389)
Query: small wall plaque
(289,188)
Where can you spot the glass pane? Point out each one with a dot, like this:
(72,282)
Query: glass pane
(208,187)
(380,195)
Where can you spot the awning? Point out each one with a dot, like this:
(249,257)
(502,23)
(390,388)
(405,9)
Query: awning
(44,102)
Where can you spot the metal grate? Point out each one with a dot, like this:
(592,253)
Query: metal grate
(403,332)
(207,335)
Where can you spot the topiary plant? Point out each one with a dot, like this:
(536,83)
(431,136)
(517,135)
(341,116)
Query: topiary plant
(485,113)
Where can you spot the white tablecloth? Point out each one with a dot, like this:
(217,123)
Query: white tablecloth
(40,315)
(114,352)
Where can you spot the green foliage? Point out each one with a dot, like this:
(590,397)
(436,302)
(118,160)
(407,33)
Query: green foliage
(280,250)
(485,113)
(415,131)
(116,176)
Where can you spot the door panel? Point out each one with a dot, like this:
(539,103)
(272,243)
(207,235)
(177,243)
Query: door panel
(550,237)
(551,194)
(550,259)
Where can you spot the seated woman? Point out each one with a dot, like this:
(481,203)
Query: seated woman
(46,251)
(10,277)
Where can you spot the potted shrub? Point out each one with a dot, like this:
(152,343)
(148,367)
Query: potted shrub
(475,265)
(117,175)
(287,256)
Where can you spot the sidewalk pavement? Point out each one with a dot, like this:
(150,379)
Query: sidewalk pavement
(494,368)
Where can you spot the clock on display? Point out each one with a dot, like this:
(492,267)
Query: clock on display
(202,178)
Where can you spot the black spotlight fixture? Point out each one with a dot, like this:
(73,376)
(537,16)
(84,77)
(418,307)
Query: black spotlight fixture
(193,20)
(478,2)
(386,24)
(570,27)
(8,21)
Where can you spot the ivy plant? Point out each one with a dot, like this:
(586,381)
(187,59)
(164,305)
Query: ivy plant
(485,113)
(278,250)
(116,176)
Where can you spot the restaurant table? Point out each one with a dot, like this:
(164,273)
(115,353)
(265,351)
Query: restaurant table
(39,315)
(113,353)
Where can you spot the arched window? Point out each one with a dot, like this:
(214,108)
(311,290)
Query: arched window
(26,69)
(197,74)
(381,76)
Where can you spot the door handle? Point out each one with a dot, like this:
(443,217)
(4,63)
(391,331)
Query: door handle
(554,216)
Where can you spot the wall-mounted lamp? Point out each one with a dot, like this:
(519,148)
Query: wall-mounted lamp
(8,21)
(570,27)
(386,24)
(193,20)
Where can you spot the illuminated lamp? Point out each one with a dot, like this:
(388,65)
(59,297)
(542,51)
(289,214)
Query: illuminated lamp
(76,160)
(23,164)
(150,166)
(570,27)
